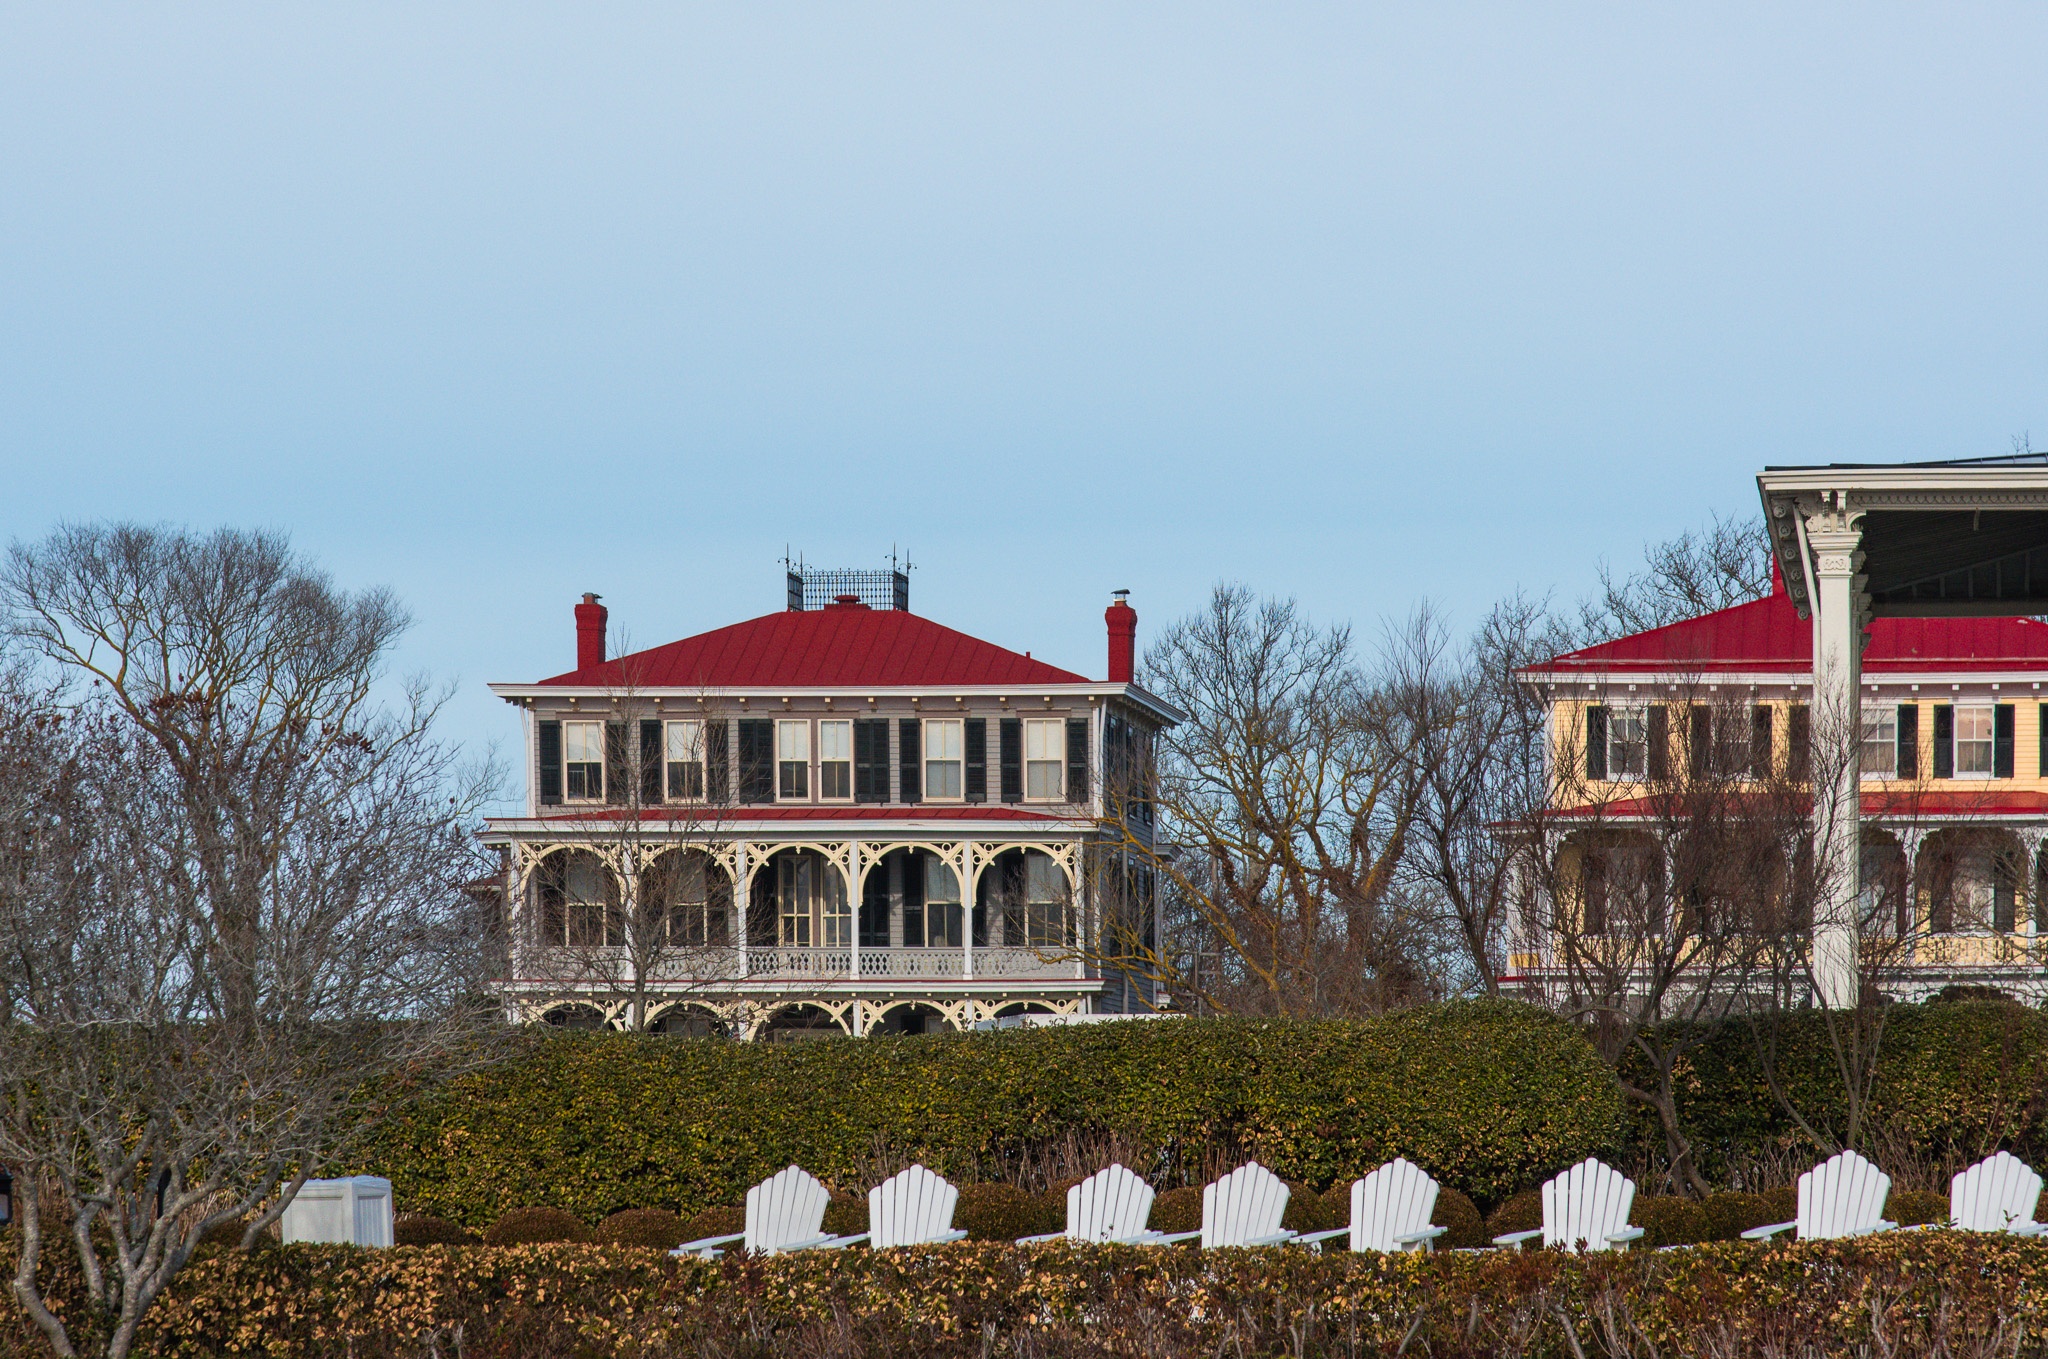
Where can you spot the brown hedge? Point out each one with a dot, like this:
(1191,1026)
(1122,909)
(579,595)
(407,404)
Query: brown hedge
(1900,1293)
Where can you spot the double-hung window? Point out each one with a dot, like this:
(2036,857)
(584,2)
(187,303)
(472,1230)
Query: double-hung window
(793,760)
(1628,743)
(583,761)
(943,758)
(1044,901)
(941,924)
(1880,742)
(1974,730)
(835,760)
(684,757)
(1045,760)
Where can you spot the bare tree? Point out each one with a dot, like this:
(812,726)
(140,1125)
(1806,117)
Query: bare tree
(1273,822)
(637,905)
(232,906)
(1727,563)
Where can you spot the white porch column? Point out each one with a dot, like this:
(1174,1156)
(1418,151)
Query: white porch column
(854,901)
(742,887)
(1834,537)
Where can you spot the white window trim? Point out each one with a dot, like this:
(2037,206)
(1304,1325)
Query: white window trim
(926,761)
(1886,712)
(818,760)
(703,770)
(566,762)
(1642,715)
(1059,725)
(1955,741)
(810,760)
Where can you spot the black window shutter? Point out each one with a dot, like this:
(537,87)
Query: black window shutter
(1657,728)
(650,763)
(1760,742)
(1700,741)
(909,757)
(550,740)
(976,730)
(2001,741)
(1909,740)
(871,759)
(757,759)
(1010,736)
(915,932)
(1596,741)
(1798,742)
(1077,759)
(1944,741)
(2042,768)
(717,763)
(616,764)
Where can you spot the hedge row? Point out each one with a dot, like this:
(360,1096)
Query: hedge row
(1955,1082)
(1487,1096)
(1935,1292)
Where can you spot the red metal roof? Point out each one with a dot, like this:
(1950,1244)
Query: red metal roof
(843,646)
(1769,635)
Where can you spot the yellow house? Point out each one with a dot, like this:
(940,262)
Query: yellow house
(1954,770)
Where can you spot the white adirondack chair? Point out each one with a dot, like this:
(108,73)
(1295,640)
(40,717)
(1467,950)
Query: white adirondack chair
(1113,1204)
(1243,1208)
(1842,1196)
(913,1207)
(1587,1205)
(785,1212)
(1998,1194)
(1390,1210)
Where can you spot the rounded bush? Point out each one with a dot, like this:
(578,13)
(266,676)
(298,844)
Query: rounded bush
(846,1215)
(1668,1220)
(1730,1215)
(1916,1207)
(1307,1211)
(1522,1213)
(656,1227)
(532,1226)
(721,1221)
(424,1229)
(1003,1212)
(1461,1215)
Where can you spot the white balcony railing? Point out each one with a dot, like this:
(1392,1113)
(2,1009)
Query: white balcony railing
(731,964)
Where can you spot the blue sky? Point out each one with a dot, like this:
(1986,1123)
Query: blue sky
(495,304)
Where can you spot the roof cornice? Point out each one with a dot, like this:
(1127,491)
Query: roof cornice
(1134,694)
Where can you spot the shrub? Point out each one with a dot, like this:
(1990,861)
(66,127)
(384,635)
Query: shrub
(1178,1210)
(1003,1212)
(1730,1215)
(1914,1207)
(1522,1213)
(1307,1211)
(656,1227)
(1461,1215)
(533,1226)
(846,1215)
(424,1229)
(724,1220)
(1668,1220)
(1488,1096)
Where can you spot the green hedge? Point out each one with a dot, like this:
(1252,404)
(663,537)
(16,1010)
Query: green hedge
(1955,1080)
(1486,1096)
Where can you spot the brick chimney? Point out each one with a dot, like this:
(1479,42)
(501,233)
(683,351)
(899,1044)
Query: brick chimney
(590,616)
(1123,637)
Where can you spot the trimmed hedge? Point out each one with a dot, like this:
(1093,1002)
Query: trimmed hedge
(535,1226)
(1901,1293)
(1956,1082)
(1488,1096)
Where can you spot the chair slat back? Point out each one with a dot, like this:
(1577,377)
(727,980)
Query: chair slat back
(1392,1201)
(787,1207)
(1244,1205)
(1842,1196)
(910,1208)
(1993,1194)
(1585,1204)
(1111,1203)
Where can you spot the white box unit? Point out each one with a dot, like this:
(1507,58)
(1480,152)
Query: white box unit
(351,1212)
